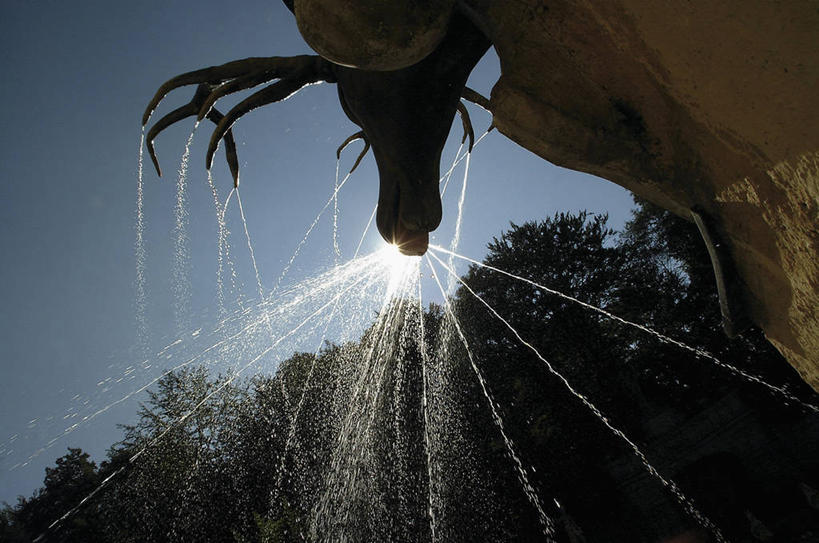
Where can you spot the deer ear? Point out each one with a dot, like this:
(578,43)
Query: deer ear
(373,34)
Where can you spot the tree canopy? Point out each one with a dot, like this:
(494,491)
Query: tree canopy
(392,439)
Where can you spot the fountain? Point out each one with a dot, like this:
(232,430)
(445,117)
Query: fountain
(369,438)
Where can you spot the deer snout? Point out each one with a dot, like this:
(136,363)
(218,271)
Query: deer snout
(407,212)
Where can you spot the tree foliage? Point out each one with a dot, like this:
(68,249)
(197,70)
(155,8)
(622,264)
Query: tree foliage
(656,272)
(216,458)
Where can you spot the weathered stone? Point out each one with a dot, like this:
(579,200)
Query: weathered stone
(700,104)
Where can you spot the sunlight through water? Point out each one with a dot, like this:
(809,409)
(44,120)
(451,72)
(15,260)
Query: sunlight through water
(684,500)
(396,439)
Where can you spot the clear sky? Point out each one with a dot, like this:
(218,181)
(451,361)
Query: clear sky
(76,77)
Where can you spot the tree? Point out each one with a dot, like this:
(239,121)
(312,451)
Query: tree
(370,439)
(73,478)
(656,273)
(667,252)
(575,254)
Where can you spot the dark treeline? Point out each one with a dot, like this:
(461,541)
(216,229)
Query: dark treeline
(212,459)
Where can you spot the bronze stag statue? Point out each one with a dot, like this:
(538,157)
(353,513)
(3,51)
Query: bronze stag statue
(404,98)
(721,130)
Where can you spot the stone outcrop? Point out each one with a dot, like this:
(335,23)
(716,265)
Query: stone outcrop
(691,105)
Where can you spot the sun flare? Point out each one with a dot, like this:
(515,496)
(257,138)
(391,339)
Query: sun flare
(398,266)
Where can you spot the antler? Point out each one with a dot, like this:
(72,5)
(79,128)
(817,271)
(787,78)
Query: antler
(188,110)
(360,135)
(467,124)
(476,98)
(216,82)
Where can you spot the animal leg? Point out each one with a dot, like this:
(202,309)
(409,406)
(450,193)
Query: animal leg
(735,317)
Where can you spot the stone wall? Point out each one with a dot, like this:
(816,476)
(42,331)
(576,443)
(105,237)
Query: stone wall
(772,456)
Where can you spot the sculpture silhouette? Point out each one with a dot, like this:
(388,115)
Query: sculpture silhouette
(404,114)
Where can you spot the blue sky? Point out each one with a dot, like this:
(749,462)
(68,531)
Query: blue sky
(76,78)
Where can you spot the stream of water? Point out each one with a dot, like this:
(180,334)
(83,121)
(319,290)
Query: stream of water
(392,378)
